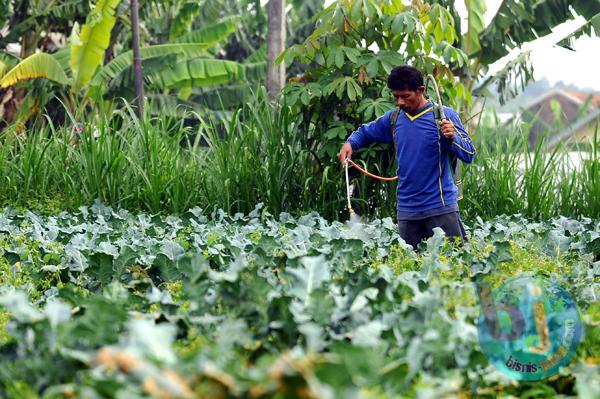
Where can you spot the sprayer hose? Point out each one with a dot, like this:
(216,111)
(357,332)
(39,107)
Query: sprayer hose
(371,174)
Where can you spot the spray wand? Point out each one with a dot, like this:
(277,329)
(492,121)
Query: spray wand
(350,210)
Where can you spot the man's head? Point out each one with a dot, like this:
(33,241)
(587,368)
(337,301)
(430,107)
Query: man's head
(406,84)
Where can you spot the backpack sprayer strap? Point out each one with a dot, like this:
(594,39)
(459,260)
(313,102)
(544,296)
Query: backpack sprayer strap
(439,115)
(393,120)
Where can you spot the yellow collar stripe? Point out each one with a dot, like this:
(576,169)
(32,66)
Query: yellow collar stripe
(412,118)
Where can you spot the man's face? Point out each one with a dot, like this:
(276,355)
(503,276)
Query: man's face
(408,100)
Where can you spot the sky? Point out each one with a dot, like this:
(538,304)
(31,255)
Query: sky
(579,67)
(555,63)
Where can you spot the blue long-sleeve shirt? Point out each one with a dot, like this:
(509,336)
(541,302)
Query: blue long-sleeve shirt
(424,157)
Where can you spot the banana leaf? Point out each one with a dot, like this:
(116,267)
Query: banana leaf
(591,26)
(212,34)
(183,51)
(259,55)
(39,65)
(87,50)
(517,22)
(63,57)
(121,85)
(199,72)
(256,71)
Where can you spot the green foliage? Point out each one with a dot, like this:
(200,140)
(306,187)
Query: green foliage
(27,21)
(87,48)
(198,73)
(186,14)
(158,53)
(256,155)
(188,61)
(211,34)
(514,24)
(178,65)
(5,338)
(590,28)
(259,304)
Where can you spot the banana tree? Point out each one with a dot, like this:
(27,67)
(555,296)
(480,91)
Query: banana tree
(79,67)
(183,75)
(29,26)
(86,55)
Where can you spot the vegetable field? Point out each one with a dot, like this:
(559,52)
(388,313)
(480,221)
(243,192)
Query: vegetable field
(138,137)
(104,303)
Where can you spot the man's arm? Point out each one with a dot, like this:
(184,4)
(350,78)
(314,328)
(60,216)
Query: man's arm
(378,130)
(459,141)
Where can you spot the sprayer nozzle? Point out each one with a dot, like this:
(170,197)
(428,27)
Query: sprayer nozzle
(350,210)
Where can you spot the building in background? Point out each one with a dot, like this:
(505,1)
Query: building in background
(567,115)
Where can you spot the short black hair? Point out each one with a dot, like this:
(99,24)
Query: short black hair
(405,77)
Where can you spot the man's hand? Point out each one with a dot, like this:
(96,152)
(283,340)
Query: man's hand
(448,129)
(345,153)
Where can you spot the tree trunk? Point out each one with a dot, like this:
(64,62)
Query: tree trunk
(276,44)
(138,81)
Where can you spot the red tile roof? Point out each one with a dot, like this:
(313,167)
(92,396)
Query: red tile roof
(583,96)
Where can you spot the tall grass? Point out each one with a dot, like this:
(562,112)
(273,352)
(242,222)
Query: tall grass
(508,177)
(491,182)
(580,190)
(127,164)
(262,153)
(256,156)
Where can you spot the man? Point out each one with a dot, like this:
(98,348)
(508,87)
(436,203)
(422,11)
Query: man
(427,195)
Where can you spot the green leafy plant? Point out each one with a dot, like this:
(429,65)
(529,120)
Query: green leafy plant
(270,305)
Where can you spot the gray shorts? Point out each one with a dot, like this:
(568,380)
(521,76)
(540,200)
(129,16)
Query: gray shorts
(413,231)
